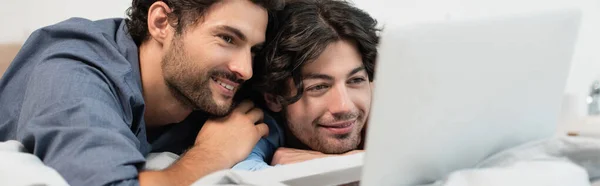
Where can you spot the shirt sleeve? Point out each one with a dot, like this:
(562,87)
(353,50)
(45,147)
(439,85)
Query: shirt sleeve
(73,120)
(257,158)
(263,152)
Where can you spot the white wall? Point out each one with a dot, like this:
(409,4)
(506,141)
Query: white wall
(20,17)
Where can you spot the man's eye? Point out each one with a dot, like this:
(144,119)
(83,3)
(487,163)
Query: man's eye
(226,38)
(357,80)
(317,88)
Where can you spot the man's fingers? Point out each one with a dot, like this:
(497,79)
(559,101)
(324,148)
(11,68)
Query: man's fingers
(255,115)
(262,129)
(244,107)
(276,157)
(284,149)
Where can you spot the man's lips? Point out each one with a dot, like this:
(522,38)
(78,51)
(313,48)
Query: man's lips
(342,124)
(339,128)
(225,83)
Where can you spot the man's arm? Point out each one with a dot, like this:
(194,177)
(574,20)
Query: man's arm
(73,121)
(220,144)
(288,155)
(194,164)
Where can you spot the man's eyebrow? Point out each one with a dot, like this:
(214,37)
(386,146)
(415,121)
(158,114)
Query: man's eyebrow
(316,76)
(235,31)
(327,77)
(356,70)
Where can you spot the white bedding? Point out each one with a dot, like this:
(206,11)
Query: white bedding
(560,161)
(573,161)
(17,167)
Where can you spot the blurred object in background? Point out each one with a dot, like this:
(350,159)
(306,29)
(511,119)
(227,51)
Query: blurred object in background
(593,99)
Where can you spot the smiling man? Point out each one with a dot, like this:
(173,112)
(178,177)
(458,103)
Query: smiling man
(92,98)
(316,81)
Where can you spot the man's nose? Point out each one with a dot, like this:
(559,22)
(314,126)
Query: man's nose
(241,65)
(340,101)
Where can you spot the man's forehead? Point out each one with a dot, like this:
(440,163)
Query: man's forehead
(248,18)
(339,57)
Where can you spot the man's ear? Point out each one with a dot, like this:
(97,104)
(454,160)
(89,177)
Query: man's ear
(158,21)
(272,102)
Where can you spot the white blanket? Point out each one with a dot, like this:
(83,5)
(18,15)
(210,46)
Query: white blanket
(572,161)
(19,168)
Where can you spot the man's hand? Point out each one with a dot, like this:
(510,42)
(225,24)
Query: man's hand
(233,137)
(220,144)
(288,155)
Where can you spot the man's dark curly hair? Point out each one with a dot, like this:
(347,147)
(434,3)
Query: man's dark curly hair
(184,14)
(304,29)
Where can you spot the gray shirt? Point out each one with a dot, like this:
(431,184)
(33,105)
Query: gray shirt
(73,97)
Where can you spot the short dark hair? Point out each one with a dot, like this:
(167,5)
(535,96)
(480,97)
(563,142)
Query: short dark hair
(185,13)
(304,29)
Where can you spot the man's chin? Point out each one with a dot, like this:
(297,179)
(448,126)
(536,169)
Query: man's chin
(337,150)
(337,146)
(214,108)
(221,108)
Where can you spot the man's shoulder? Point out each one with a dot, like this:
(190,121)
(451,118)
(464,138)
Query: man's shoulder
(103,45)
(80,29)
(74,52)
(83,25)
(79,33)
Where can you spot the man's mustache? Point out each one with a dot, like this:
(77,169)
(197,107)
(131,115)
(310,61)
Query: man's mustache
(340,117)
(227,75)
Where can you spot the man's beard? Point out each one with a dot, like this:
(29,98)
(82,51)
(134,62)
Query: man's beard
(190,84)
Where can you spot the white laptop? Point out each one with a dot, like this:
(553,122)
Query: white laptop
(448,95)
